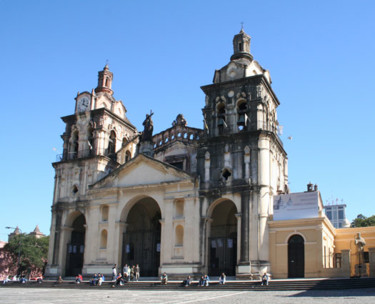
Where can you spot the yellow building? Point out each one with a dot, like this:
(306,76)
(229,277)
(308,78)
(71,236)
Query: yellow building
(304,245)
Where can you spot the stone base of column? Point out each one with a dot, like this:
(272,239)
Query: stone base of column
(147,148)
(52,272)
(243,271)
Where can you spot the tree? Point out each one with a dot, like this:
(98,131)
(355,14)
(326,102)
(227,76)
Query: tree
(28,252)
(362,221)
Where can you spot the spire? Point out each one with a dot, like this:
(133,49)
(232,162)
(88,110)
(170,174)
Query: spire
(105,78)
(16,231)
(241,46)
(36,230)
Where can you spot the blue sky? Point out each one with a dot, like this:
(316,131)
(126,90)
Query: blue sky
(320,55)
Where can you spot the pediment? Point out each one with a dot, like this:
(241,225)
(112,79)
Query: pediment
(142,171)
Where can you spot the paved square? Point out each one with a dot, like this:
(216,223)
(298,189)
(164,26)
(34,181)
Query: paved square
(71,296)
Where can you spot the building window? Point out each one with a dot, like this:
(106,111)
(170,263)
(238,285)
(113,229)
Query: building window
(226,173)
(179,207)
(337,260)
(329,214)
(179,165)
(103,239)
(179,236)
(341,214)
(221,115)
(127,156)
(74,146)
(366,257)
(105,212)
(242,117)
(112,145)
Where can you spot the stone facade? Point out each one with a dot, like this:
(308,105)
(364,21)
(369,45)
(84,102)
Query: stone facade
(190,200)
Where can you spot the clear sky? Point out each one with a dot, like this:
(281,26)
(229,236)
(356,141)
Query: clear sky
(320,55)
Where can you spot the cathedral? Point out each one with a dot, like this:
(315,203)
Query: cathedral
(185,200)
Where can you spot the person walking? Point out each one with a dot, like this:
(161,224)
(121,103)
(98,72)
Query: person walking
(137,272)
(114,273)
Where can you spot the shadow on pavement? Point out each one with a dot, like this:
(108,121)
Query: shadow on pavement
(347,293)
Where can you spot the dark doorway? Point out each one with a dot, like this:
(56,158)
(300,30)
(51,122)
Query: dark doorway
(296,257)
(141,241)
(222,245)
(76,247)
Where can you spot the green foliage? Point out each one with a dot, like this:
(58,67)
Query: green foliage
(362,221)
(27,250)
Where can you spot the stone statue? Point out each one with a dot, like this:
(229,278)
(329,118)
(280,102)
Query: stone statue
(360,242)
(148,128)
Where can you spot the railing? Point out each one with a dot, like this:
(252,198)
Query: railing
(180,133)
(82,154)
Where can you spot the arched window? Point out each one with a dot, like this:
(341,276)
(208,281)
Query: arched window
(179,236)
(91,140)
(103,239)
(112,145)
(73,153)
(242,117)
(128,156)
(221,115)
(105,212)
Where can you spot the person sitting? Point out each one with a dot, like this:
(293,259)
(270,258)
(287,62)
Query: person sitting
(59,280)
(265,279)
(187,282)
(206,279)
(79,279)
(164,279)
(94,280)
(201,281)
(6,280)
(39,280)
(100,279)
(222,279)
(119,280)
(23,280)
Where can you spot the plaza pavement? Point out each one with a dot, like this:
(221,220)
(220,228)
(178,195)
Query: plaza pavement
(87,296)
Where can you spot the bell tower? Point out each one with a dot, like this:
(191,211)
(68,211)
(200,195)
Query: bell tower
(105,81)
(241,46)
(242,155)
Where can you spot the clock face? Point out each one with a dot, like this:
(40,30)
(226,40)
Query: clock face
(83,104)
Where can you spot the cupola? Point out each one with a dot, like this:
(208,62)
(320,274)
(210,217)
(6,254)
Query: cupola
(241,46)
(105,81)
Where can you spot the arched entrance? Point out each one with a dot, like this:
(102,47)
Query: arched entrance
(76,247)
(141,241)
(222,242)
(296,257)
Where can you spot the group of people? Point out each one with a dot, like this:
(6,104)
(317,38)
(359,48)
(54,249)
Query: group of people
(129,273)
(22,279)
(203,280)
(97,279)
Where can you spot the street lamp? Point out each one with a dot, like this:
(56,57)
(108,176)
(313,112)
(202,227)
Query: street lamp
(19,247)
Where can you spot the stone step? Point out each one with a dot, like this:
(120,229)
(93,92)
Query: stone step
(277,285)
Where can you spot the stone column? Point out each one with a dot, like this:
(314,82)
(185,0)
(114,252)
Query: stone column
(120,229)
(245,204)
(162,245)
(372,262)
(345,262)
(238,217)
